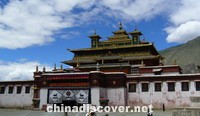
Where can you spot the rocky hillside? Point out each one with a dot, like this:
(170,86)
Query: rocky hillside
(186,55)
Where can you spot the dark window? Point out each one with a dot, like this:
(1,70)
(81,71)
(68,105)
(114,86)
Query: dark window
(134,70)
(145,87)
(198,86)
(132,87)
(157,73)
(93,43)
(10,90)
(27,89)
(185,86)
(2,90)
(19,89)
(158,86)
(171,86)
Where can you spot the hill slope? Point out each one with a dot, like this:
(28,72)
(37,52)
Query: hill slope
(186,55)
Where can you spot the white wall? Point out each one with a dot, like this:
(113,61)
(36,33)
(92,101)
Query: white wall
(116,96)
(103,92)
(16,100)
(95,95)
(43,97)
(177,98)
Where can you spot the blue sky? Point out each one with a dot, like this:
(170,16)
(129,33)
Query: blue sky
(38,32)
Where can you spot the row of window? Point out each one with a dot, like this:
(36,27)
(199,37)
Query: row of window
(11,89)
(158,86)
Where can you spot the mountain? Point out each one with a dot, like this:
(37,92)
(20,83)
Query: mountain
(187,55)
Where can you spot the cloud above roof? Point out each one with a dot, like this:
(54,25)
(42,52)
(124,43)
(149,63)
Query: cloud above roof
(185,22)
(22,70)
(34,22)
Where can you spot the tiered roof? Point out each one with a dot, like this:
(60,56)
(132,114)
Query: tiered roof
(121,47)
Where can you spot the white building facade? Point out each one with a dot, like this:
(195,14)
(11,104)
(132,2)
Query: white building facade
(16,94)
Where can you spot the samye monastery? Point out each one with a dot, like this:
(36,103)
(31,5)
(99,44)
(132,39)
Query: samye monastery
(122,70)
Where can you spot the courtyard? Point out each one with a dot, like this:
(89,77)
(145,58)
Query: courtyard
(16,112)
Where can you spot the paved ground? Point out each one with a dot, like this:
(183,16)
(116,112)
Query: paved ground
(13,112)
(156,113)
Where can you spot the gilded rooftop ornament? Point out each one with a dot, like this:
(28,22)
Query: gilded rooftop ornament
(120,26)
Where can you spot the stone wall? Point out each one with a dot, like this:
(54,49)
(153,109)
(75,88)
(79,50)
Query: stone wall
(16,100)
(116,96)
(177,98)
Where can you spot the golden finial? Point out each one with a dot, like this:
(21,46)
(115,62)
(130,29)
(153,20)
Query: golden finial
(61,67)
(54,66)
(142,63)
(97,66)
(77,65)
(135,27)
(120,26)
(175,62)
(95,31)
(36,68)
(44,69)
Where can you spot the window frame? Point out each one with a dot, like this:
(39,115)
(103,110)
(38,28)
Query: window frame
(187,88)
(10,91)
(29,89)
(160,88)
(169,88)
(143,89)
(135,87)
(2,91)
(19,91)
(197,88)
(134,70)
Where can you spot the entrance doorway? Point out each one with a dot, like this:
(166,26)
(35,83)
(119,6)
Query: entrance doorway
(70,103)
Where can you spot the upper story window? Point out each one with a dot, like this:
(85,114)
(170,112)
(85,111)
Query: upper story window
(10,90)
(157,71)
(2,90)
(145,87)
(132,87)
(19,89)
(134,70)
(185,86)
(171,86)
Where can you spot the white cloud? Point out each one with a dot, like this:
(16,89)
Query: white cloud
(33,22)
(185,22)
(187,10)
(183,15)
(69,34)
(137,9)
(184,32)
(22,70)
